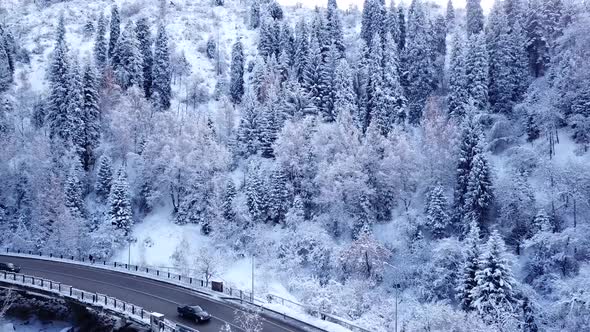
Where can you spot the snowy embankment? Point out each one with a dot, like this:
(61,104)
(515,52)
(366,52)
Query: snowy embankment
(33,326)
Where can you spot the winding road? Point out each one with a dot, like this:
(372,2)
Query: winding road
(150,294)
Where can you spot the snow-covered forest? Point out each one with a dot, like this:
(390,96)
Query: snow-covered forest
(396,155)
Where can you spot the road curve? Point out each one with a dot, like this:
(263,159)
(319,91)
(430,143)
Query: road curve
(150,294)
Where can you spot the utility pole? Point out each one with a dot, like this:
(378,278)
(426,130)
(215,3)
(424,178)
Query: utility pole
(252,299)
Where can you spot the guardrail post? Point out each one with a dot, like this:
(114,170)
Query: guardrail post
(147,270)
(106,300)
(4,275)
(115,302)
(59,288)
(93,298)
(136,267)
(72,257)
(168,274)
(179,277)
(141,314)
(50,255)
(133,309)
(14,275)
(61,256)
(190,280)
(158,273)
(82,295)
(201,282)
(126,266)
(124,306)
(30,252)
(104,262)
(70,290)
(115,264)
(41,282)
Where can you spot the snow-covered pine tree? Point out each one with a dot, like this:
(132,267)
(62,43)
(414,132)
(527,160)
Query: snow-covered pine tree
(458,96)
(344,96)
(57,115)
(100,44)
(476,71)
(236,84)
(145,46)
(373,20)
(450,16)
(301,49)
(401,20)
(500,61)
(120,214)
(267,133)
(334,27)
(396,100)
(275,11)
(479,195)
(474,16)
(104,177)
(130,69)
(255,14)
(88,29)
(114,36)
(6,77)
(90,115)
(287,43)
(470,268)
(74,193)
(161,70)
(536,43)
(520,74)
(249,124)
(256,195)
(392,23)
(228,211)
(469,146)
(437,217)
(279,195)
(328,71)
(312,75)
(494,297)
(75,107)
(297,102)
(418,60)
(376,106)
(8,43)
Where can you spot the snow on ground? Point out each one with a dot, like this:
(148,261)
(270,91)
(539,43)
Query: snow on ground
(34,326)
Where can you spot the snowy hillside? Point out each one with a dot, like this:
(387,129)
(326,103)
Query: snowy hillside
(401,165)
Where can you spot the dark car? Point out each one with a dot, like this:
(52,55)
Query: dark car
(193,312)
(9,267)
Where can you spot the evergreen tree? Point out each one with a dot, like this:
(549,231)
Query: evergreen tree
(500,61)
(396,102)
(470,268)
(269,40)
(104,178)
(334,27)
(8,42)
(301,49)
(327,78)
(401,20)
(88,29)
(73,191)
(6,77)
(469,147)
(420,77)
(255,14)
(275,10)
(145,46)
(475,17)
(437,217)
(519,69)
(287,43)
(458,96)
(536,43)
(450,16)
(344,97)
(57,112)
(114,36)
(236,85)
(100,44)
(248,126)
(161,70)
(374,89)
(256,195)
(312,76)
(476,71)
(120,213)
(373,20)
(279,196)
(228,211)
(267,133)
(75,107)
(493,296)
(297,102)
(130,69)
(479,196)
(90,116)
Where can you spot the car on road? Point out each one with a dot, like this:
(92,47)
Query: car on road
(193,312)
(9,267)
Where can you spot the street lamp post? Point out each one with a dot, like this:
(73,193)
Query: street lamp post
(252,297)
(397,287)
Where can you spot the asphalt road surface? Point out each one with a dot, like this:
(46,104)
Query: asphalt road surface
(149,294)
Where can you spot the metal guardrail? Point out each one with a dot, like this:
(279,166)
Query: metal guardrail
(201,285)
(108,303)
